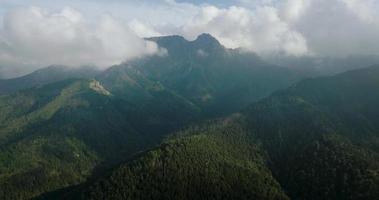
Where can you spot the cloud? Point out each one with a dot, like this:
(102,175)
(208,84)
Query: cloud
(143,30)
(35,37)
(294,27)
(335,27)
(261,31)
(202,53)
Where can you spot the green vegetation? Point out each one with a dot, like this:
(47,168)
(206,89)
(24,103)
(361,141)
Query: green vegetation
(333,168)
(55,136)
(219,163)
(45,76)
(304,136)
(219,80)
(321,136)
(315,140)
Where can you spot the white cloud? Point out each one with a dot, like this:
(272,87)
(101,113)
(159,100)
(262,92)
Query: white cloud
(296,27)
(35,37)
(261,31)
(335,27)
(202,53)
(291,10)
(143,30)
(366,10)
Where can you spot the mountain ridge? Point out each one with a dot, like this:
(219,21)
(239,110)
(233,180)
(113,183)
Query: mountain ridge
(286,136)
(45,76)
(304,145)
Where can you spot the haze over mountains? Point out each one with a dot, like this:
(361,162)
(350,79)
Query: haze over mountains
(39,33)
(45,76)
(201,121)
(55,133)
(189,99)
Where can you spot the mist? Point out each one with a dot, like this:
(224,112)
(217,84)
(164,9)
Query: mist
(35,34)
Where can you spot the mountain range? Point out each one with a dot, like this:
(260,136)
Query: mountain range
(199,122)
(316,140)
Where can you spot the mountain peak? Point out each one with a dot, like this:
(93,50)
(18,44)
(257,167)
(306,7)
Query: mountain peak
(206,36)
(168,37)
(178,45)
(169,41)
(207,39)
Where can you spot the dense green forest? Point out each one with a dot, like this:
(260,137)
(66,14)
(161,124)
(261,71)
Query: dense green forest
(45,76)
(58,126)
(302,141)
(52,141)
(216,161)
(190,125)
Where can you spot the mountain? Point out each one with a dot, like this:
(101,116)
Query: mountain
(315,66)
(329,124)
(218,80)
(56,135)
(45,76)
(219,163)
(315,140)
(59,126)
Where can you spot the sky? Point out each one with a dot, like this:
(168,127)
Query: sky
(38,33)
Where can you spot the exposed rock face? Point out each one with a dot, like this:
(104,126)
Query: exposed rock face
(96,86)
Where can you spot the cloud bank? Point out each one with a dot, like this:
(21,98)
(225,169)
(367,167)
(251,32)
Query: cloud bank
(35,37)
(293,27)
(261,31)
(335,27)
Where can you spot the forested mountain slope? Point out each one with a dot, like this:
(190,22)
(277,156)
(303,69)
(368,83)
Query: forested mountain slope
(214,161)
(315,140)
(45,76)
(218,79)
(56,131)
(54,136)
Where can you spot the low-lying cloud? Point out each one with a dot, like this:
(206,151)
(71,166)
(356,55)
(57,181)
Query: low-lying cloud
(261,31)
(335,27)
(293,27)
(35,37)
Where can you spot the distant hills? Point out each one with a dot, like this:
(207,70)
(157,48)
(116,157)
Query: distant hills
(315,66)
(45,76)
